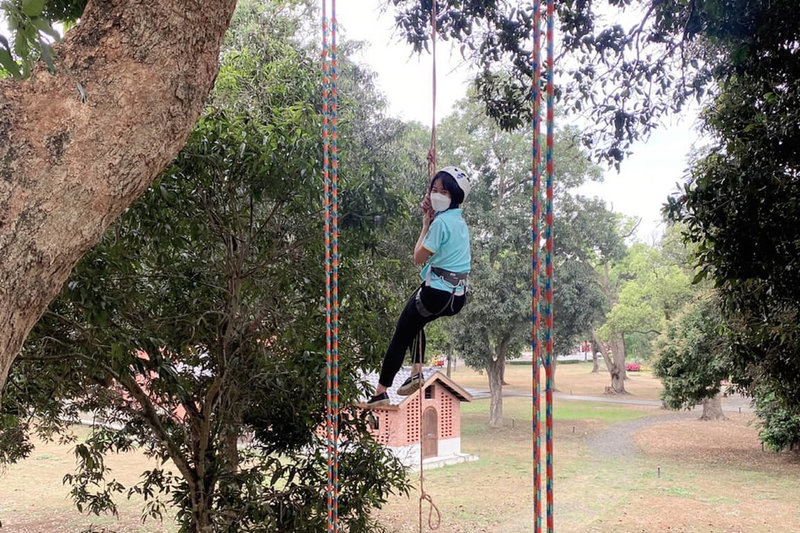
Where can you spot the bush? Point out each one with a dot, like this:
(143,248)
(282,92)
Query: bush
(633,367)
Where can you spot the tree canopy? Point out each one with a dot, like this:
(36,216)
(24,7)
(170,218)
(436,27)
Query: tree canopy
(740,201)
(197,323)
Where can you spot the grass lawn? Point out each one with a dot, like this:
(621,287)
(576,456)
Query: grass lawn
(575,378)
(725,485)
(713,476)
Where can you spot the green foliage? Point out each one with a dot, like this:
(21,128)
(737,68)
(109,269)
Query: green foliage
(624,76)
(198,320)
(652,291)
(780,429)
(740,205)
(587,235)
(691,361)
(31,32)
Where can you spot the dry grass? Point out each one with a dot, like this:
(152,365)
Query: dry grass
(34,500)
(714,476)
(726,443)
(576,379)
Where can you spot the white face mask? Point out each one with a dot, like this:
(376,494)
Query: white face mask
(439,202)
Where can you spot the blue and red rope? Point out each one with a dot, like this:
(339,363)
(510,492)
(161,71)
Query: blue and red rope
(537,308)
(535,268)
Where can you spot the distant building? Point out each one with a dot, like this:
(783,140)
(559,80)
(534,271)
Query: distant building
(397,426)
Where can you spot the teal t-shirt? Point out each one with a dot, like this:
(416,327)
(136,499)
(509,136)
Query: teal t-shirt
(448,241)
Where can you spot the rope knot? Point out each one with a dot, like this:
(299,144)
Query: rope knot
(431,509)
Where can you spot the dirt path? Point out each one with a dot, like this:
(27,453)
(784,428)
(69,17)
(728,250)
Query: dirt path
(617,441)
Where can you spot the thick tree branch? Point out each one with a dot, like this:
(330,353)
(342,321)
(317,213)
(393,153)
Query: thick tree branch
(69,166)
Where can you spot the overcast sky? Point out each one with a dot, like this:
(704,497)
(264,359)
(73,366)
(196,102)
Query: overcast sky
(639,189)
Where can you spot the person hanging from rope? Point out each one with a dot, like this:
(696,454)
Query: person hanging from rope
(444,247)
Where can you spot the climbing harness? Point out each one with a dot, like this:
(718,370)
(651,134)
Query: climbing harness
(330,172)
(537,307)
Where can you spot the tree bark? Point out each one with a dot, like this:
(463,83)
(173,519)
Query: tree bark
(496,393)
(71,165)
(712,408)
(595,361)
(618,374)
(449,352)
(501,361)
(614,362)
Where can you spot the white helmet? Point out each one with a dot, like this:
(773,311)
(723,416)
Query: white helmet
(463,181)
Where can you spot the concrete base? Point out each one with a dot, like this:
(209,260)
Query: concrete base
(437,462)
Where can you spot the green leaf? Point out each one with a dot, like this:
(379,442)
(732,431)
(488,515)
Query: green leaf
(9,64)
(32,8)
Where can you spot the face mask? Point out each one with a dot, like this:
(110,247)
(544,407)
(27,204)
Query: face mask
(439,202)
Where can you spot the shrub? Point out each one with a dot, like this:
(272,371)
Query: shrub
(633,367)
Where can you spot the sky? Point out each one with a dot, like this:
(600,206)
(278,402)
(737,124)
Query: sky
(645,179)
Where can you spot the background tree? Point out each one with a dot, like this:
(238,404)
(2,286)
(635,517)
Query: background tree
(652,292)
(692,363)
(495,324)
(739,203)
(587,236)
(197,321)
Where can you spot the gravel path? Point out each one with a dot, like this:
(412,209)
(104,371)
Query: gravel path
(617,441)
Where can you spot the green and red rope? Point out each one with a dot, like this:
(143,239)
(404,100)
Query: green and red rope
(330,172)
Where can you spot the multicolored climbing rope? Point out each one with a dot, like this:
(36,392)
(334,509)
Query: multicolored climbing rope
(548,262)
(537,308)
(535,296)
(330,173)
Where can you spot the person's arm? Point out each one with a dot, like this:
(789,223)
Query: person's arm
(421,254)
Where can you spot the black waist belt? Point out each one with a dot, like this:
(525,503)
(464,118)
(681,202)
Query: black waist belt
(453,278)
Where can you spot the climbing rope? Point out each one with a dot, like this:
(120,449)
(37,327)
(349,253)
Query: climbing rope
(432,149)
(330,173)
(547,308)
(535,270)
(424,496)
(548,262)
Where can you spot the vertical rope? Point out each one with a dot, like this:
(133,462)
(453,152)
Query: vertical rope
(535,295)
(431,171)
(424,496)
(330,179)
(419,420)
(550,362)
(335,277)
(432,149)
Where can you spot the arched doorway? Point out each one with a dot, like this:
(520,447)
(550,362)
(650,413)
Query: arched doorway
(430,431)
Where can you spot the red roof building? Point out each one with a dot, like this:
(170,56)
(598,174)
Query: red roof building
(397,426)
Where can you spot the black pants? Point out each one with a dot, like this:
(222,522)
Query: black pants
(409,332)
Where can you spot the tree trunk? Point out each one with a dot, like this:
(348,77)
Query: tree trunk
(71,165)
(712,408)
(501,361)
(449,353)
(201,512)
(496,393)
(614,362)
(595,360)
(618,373)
